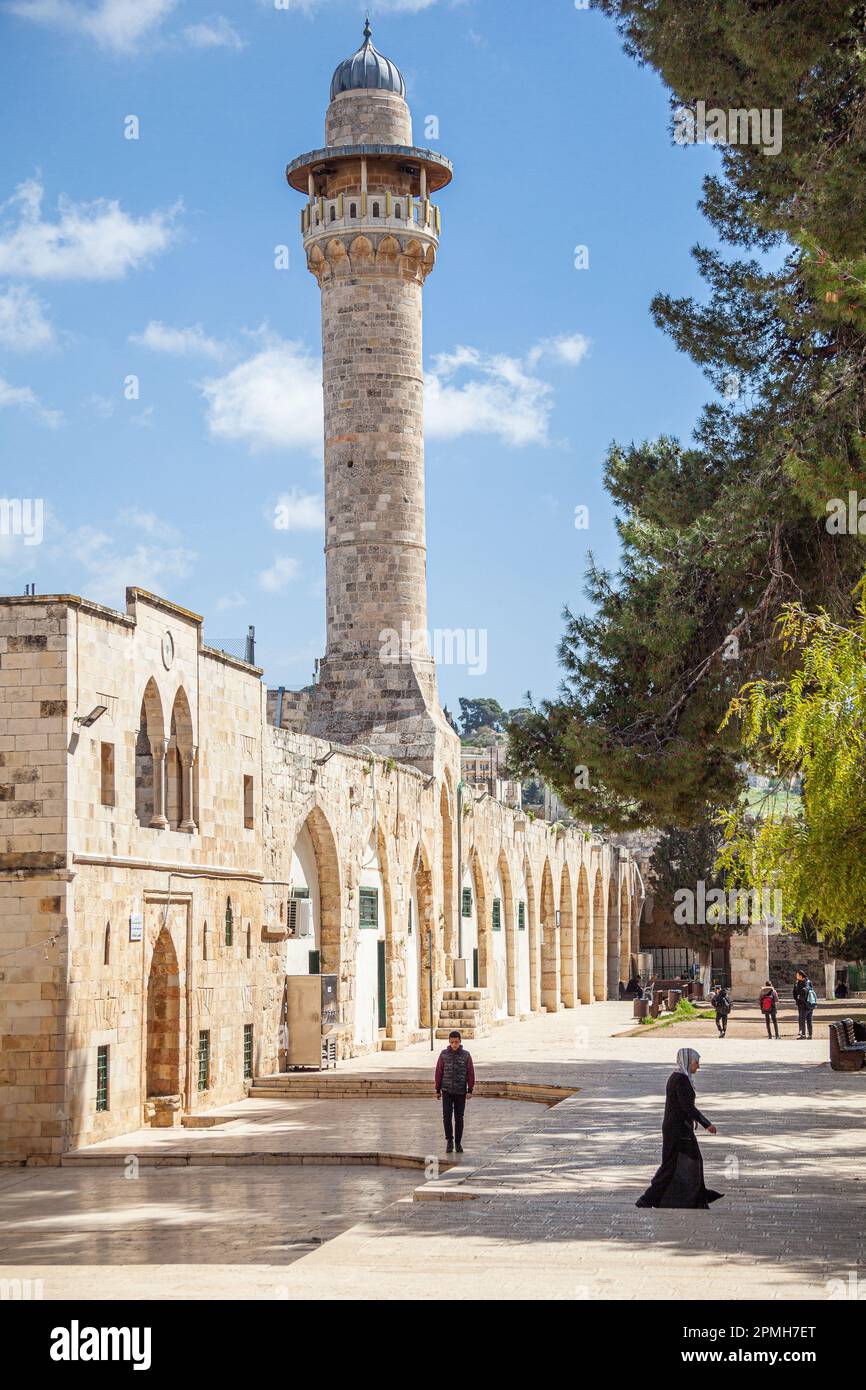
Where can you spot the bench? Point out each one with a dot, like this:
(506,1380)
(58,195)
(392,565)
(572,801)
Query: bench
(847,1045)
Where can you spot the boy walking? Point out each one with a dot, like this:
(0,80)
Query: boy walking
(722,1005)
(455,1082)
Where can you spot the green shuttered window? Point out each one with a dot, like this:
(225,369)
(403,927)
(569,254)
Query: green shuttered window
(368,905)
(497,915)
(467,902)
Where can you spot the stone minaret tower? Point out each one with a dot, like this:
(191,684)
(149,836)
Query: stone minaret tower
(371,235)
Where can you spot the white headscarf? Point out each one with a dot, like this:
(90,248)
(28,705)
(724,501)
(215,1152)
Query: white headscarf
(685,1057)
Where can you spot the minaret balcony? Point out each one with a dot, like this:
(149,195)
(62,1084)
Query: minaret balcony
(363,214)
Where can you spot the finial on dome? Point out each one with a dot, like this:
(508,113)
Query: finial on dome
(367,68)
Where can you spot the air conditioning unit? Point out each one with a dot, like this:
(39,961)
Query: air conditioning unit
(303,916)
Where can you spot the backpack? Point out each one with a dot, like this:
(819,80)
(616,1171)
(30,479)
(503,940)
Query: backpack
(767,1002)
(811,998)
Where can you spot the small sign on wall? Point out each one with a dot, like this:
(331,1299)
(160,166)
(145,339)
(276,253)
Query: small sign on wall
(136,926)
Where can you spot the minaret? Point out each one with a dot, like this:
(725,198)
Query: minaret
(371,234)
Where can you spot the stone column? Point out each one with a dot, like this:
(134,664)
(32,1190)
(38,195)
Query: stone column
(187,759)
(159,748)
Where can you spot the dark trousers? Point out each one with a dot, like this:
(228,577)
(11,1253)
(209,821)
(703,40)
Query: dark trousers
(805,1017)
(453,1105)
(771,1014)
(722,1023)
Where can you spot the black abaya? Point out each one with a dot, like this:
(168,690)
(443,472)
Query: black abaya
(679,1181)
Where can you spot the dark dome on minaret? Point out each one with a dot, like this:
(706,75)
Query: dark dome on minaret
(368,68)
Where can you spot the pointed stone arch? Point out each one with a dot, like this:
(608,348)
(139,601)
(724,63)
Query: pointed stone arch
(625,950)
(509,926)
(181,778)
(331,953)
(449,887)
(388,254)
(599,937)
(150,759)
(534,951)
(395,983)
(337,257)
(612,939)
(567,942)
(164,1018)
(429,931)
(361,252)
(482,914)
(584,939)
(550,967)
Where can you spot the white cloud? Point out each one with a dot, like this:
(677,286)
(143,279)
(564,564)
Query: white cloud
(25,399)
(569,350)
(110,563)
(149,523)
(118,25)
(23,325)
(281,572)
(502,398)
(273,400)
(214,33)
(183,341)
(89,241)
(471,392)
(230,601)
(299,511)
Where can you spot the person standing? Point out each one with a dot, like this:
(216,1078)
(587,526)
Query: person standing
(679,1181)
(455,1082)
(769,1000)
(722,1004)
(805,998)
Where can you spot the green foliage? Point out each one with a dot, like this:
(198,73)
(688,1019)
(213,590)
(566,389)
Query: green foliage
(716,535)
(479,714)
(812,725)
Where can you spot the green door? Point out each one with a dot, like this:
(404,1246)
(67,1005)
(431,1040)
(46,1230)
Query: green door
(475,967)
(383,1007)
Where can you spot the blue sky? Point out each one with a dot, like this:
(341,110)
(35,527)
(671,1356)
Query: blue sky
(154,258)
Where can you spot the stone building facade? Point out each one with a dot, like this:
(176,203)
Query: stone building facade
(176,841)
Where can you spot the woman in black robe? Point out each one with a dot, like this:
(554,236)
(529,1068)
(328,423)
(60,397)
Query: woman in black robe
(679,1181)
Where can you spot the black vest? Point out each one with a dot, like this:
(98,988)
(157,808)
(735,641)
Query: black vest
(454,1072)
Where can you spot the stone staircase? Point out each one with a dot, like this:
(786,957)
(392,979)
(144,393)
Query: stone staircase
(469,1010)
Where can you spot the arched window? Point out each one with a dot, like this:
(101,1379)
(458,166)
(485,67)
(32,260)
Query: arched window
(353,209)
(375,209)
(333,214)
(230,921)
(106,945)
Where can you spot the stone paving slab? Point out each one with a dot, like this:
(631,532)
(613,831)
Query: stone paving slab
(554,1214)
(363,1128)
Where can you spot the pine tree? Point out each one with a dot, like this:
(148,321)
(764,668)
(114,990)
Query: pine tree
(717,535)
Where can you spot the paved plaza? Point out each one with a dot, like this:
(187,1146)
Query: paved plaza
(540,1206)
